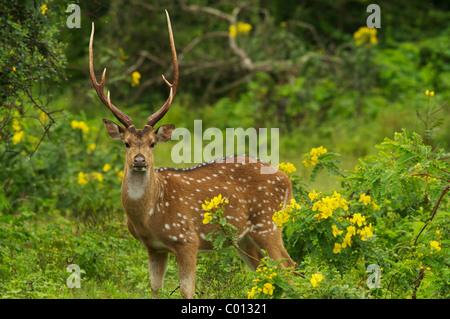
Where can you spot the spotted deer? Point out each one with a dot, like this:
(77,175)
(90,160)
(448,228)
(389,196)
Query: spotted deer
(164,206)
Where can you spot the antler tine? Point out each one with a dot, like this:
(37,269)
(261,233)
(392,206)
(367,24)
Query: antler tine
(154,118)
(121,116)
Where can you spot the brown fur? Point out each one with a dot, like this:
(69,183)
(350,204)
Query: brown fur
(164,206)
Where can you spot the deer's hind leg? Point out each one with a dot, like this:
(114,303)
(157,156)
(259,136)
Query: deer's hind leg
(270,240)
(251,253)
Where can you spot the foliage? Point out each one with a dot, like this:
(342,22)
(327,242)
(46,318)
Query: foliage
(31,57)
(34,258)
(311,69)
(404,187)
(70,175)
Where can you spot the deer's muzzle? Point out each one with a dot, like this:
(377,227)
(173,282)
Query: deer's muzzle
(139,163)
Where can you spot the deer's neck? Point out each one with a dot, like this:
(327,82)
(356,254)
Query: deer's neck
(140,192)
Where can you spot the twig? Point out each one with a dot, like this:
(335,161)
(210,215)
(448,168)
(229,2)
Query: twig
(215,12)
(249,256)
(433,213)
(174,290)
(419,281)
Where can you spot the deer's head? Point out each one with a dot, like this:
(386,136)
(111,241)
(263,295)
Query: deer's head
(139,143)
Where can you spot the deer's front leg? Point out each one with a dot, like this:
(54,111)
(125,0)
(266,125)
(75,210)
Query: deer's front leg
(157,263)
(187,263)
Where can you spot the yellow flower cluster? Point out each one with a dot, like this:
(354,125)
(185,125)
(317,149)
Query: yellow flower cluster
(316,279)
(83,178)
(240,27)
(327,205)
(365,35)
(288,168)
(43,9)
(313,156)
(264,276)
(18,133)
(313,195)
(135,77)
(366,200)
(283,217)
(42,116)
(429,93)
(208,206)
(120,175)
(435,245)
(79,125)
(364,231)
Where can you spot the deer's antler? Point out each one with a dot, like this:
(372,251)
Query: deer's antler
(121,116)
(154,118)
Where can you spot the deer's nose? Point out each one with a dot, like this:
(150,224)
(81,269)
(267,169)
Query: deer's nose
(139,161)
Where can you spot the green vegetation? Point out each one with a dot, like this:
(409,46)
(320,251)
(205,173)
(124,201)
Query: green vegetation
(364,132)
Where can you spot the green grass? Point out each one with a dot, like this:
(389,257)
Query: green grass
(35,254)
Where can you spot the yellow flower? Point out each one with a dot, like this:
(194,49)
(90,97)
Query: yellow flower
(336,231)
(365,199)
(313,195)
(232,31)
(120,176)
(268,288)
(91,148)
(375,206)
(366,232)
(347,241)
(16,126)
(288,168)
(337,248)
(43,9)
(316,279)
(207,218)
(358,219)
(239,28)
(214,203)
(429,93)
(351,230)
(328,204)
(283,24)
(244,27)
(435,245)
(79,125)
(135,77)
(106,167)
(283,217)
(14,69)
(42,116)
(251,294)
(82,178)
(17,137)
(313,155)
(365,35)
(97,176)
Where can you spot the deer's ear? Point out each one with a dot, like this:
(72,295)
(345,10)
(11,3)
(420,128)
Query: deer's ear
(114,130)
(164,132)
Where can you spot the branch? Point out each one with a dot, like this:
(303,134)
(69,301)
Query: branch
(215,12)
(433,213)
(143,54)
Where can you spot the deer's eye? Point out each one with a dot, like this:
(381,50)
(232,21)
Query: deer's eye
(152,145)
(127,145)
